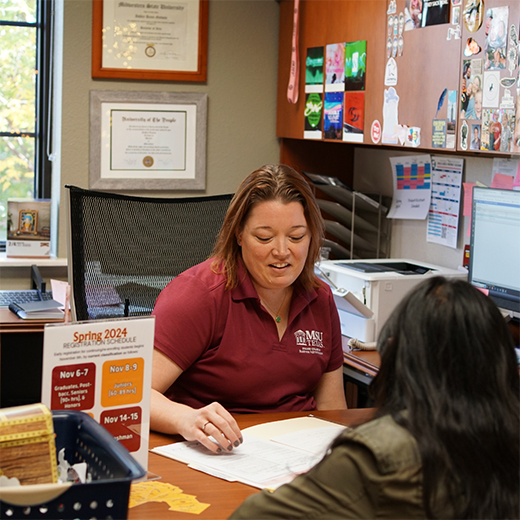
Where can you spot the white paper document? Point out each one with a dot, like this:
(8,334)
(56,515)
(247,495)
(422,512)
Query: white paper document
(412,187)
(259,461)
(443,217)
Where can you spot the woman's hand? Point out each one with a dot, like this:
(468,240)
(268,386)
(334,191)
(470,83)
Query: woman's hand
(213,426)
(202,425)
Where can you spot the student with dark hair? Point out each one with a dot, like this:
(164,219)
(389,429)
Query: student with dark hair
(445,439)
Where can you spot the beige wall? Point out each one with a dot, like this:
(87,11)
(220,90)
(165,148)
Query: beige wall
(373,174)
(241,88)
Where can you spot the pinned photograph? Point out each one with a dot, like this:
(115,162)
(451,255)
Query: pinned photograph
(475,137)
(496,38)
(335,67)
(354,118)
(313,115)
(412,14)
(471,92)
(333,117)
(314,70)
(355,65)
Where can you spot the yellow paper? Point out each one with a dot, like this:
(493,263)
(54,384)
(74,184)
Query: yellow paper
(153,491)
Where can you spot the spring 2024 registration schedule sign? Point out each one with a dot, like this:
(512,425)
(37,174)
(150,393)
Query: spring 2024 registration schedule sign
(103,368)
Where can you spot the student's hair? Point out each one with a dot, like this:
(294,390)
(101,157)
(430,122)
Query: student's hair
(448,359)
(268,183)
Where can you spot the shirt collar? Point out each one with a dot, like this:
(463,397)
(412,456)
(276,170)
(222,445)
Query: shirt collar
(245,289)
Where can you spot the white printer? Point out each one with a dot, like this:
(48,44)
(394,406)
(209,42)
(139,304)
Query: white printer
(367,291)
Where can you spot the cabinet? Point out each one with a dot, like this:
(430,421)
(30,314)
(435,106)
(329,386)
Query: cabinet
(432,62)
(21,359)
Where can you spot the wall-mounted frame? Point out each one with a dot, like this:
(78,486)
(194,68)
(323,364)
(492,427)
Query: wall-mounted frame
(147,140)
(152,40)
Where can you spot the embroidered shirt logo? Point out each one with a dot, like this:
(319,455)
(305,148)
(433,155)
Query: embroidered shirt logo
(309,341)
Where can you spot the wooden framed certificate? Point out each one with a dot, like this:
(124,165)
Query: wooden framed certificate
(150,39)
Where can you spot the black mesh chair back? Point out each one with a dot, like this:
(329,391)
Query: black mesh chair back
(123,250)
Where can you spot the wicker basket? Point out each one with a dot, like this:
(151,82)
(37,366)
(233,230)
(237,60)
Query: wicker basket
(109,463)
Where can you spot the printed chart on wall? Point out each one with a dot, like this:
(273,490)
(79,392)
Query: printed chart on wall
(412,187)
(103,368)
(443,216)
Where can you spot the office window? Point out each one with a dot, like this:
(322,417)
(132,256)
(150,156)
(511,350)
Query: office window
(25,81)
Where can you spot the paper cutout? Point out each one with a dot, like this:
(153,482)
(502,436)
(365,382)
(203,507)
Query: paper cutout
(472,47)
(468,198)
(506,172)
(153,491)
(390,25)
(472,14)
(502,181)
(491,89)
(391,73)
(413,136)
(390,116)
(375,131)
(464,131)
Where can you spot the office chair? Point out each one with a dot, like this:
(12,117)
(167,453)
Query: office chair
(123,250)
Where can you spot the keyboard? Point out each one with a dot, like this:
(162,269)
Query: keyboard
(30,295)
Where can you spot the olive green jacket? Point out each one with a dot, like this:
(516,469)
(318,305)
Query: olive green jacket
(375,473)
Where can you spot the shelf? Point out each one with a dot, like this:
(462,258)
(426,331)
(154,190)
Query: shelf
(6,261)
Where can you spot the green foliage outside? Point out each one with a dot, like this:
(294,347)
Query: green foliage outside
(17,104)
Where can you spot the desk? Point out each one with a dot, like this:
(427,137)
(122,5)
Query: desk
(224,497)
(359,368)
(21,356)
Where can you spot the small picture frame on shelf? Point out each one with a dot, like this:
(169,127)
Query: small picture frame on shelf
(28,222)
(28,228)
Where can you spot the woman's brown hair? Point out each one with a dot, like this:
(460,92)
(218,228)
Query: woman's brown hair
(270,182)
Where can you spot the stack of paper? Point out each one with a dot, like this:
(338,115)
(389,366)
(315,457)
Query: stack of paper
(272,453)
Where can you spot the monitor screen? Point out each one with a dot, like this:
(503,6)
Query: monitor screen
(494,264)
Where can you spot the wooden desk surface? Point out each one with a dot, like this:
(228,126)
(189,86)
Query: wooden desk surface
(224,497)
(367,361)
(10,322)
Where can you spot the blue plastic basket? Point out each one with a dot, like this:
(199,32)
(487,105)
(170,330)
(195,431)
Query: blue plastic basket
(109,463)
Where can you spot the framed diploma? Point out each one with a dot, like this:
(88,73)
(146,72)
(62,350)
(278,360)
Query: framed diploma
(150,39)
(147,140)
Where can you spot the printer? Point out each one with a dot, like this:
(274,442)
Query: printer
(367,291)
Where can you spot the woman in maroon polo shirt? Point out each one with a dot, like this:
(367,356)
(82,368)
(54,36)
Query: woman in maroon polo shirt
(252,329)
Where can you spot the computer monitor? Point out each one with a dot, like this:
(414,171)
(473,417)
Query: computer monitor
(494,265)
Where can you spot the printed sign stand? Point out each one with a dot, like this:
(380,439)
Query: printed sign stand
(103,368)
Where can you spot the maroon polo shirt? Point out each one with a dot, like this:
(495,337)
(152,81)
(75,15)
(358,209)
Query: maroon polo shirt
(228,347)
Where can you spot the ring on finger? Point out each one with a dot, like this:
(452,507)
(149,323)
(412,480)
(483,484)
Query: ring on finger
(204,427)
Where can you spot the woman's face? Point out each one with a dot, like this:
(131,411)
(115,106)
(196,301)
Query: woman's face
(275,242)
